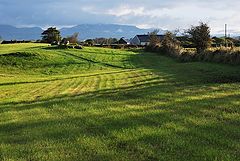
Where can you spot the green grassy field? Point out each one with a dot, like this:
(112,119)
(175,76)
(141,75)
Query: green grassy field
(105,104)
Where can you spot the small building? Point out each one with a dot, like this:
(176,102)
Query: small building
(143,39)
(123,41)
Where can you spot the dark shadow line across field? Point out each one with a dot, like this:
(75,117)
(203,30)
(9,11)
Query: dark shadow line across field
(97,62)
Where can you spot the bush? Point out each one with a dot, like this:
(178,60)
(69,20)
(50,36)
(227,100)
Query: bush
(170,45)
(218,55)
(154,41)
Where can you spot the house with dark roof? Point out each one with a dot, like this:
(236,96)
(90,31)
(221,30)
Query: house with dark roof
(143,39)
(123,41)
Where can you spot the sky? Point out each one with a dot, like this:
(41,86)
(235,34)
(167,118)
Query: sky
(164,14)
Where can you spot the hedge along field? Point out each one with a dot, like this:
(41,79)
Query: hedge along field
(105,104)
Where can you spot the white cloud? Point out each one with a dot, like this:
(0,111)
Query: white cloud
(126,10)
(169,14)
(144,26)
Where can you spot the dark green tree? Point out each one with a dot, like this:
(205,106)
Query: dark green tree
(51,35)
(200,36)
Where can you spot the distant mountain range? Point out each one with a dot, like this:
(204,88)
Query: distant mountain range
(106,30)
(8,32)
(86,31)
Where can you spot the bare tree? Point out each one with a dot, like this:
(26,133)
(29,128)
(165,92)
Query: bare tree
(74,38)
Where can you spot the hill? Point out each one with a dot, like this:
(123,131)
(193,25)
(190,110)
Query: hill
(105,30)
(86,31)
(8,32)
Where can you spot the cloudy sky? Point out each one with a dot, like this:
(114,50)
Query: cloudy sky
(165,14)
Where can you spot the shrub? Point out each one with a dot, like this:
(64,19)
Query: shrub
(218,55)
(153,38)
(170,45)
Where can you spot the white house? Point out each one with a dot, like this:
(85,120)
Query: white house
(143,39)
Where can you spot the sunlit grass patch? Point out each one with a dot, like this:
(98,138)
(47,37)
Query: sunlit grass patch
(106,104)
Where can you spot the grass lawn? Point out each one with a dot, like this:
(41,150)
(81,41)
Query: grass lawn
(105,104)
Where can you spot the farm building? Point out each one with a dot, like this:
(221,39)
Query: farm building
(123,41)
(143,39)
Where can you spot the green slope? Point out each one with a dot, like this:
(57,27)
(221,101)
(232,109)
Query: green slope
(104,104)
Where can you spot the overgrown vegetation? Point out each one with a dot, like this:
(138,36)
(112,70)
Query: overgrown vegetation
(218,55)
(170,45)
(154,40)
(198,37)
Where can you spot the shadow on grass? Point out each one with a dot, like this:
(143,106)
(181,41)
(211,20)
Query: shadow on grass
(132,125)
(147,121)
(93,61)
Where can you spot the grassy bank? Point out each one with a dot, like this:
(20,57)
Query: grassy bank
(105,104)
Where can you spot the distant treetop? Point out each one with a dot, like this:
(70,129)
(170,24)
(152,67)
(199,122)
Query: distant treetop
(50,35)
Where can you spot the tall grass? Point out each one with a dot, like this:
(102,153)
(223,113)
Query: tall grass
(218,55)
